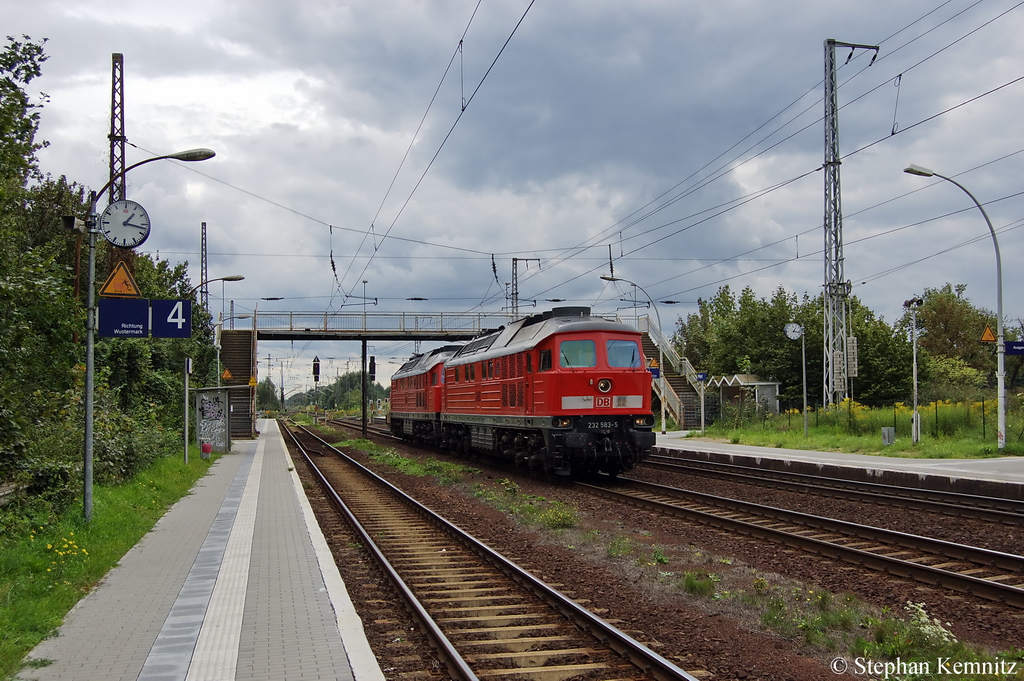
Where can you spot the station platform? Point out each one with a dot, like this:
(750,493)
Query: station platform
(1001,476)
(235,582)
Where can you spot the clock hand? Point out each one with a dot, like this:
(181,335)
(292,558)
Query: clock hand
(128,224)
(125,223)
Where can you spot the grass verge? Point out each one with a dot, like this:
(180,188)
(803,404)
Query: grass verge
(46,570)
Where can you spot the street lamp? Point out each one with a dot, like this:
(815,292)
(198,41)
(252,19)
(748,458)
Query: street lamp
(912,305)
(661,352)
(230,277)
(90,343)
(1000,339)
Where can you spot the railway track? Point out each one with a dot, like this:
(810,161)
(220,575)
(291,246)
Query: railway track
(988,574)
(373,427)
(485,616)
(1008,511)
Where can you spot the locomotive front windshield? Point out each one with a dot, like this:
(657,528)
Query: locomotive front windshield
(577,354)
(623,354)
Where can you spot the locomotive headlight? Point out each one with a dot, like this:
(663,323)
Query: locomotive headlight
(644,421)
(604,385)
(561,422)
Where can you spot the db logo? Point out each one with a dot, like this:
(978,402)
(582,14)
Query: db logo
(603,402)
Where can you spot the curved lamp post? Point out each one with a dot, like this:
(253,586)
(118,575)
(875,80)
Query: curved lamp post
(90,343)
(1000,339)
(230,277)
(661,353)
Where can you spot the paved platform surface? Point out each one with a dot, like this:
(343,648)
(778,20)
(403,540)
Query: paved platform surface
(1003,469)
(234,582)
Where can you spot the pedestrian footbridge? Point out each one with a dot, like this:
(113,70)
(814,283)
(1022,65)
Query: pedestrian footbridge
(388,326)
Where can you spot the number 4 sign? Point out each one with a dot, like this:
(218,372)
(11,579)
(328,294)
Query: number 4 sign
(171,318)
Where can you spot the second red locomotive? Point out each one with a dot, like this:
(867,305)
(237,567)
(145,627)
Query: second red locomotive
(562,391)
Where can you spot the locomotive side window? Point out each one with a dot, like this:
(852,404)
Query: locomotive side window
(623,353)
(577,354)
(545,361)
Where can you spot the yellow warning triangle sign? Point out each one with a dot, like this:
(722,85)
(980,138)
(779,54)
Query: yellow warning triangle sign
(121,284)
(988,336)
(226,375)
(252,381)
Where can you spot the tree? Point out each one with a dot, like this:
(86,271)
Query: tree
(957,365)
(949,325)
(739,336)
(38,315)
(885,359)
(20,63)
(745,335)
(266,395)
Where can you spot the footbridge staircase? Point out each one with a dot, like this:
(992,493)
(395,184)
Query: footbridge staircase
(682,388)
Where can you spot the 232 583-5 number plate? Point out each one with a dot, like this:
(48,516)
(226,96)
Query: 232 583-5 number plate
(600,425)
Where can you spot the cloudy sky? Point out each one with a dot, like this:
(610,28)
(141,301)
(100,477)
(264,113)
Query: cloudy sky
(356,141)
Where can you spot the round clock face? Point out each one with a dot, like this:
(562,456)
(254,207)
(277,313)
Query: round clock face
(793,331)
(125,224)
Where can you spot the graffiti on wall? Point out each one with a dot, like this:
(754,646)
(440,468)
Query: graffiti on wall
(213,422)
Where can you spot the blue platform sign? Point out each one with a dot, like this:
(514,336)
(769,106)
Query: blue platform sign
(124,318)
(172,318)
(1015,347)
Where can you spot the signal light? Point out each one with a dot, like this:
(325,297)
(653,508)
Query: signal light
(373,369)
(316,369)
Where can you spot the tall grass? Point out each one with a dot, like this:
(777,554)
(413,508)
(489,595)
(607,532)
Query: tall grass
(45,570)
(948,429)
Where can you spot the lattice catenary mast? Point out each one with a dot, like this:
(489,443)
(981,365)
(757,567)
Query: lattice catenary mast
(117,137)
(515,282)
(204,274)
(117,164)
(837,288)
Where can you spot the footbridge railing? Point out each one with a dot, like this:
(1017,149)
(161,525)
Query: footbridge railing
(375,326)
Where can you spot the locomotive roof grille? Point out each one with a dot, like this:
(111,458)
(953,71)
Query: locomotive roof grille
(518,336)
(423,363)
(524,334)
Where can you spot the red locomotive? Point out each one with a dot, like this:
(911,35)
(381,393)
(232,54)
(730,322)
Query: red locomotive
(561,391)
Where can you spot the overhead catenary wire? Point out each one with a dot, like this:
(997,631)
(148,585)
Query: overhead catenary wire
(447,136)
(729,169)
(627,237)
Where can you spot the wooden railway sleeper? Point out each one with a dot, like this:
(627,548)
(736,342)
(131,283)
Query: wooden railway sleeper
(640,656)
